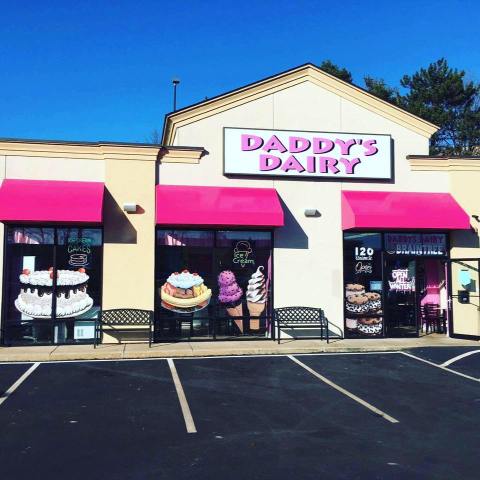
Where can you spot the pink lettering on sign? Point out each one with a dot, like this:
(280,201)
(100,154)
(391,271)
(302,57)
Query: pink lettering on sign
(251,142)
(311,164)
(308,154)
(345,146)
(350,164)
(298,144)
(269,162)
(292,164)
(328,164)
(370,148)
(273,143)
(322,145)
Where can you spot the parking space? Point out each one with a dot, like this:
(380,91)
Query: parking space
(440,355)
(411,392)
(70,420)
(465,360)
(308,417)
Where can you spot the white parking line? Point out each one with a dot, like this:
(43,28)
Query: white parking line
(187,415)
(18,382)
(459,357)
(345,392)
(440,366)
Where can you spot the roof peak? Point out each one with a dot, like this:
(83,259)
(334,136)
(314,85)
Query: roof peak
(269,85)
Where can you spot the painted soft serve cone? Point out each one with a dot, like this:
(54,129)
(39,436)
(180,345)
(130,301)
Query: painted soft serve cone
(256,297)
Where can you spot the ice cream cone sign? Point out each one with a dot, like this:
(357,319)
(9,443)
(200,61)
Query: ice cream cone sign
(256,297)
(241,254)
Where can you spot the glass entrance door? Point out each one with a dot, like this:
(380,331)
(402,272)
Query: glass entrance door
(400,297)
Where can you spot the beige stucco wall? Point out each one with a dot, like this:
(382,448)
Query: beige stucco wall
(52,168)
(308,251)
(465,244)
(129,239)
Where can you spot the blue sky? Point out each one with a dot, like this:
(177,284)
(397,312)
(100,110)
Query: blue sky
(102,70)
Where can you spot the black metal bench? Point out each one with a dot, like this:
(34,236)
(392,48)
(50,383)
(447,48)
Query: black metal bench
(124,319)
(301,317)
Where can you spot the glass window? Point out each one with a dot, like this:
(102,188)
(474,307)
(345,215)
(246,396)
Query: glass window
(40,275)
(202,288)
(184,277)
(185,238)
(27,299)
(363,284)
(79,284)
(30,235)
(244,280)
(92,236)
(260,239)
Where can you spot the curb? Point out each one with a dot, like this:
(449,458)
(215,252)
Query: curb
(72,356)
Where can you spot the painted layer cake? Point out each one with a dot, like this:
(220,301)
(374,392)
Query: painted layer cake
(35,299)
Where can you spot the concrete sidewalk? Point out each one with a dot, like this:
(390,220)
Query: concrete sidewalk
(218,348)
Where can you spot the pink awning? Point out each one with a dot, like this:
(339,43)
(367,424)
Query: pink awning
(51,201)
(402,210)
(218,206)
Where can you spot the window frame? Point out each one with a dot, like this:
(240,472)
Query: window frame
(53,321)
(215,318)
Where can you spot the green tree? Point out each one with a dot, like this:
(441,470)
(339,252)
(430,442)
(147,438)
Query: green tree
(341,73)
(380,89)
(444,97)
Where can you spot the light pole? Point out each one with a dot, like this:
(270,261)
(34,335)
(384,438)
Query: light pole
(175,82)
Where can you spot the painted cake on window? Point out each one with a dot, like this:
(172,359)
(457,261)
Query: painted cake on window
(35,299)
(185,292)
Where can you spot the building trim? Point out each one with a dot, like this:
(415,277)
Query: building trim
(295,76)
(84,150)
(181,155)
(432,163)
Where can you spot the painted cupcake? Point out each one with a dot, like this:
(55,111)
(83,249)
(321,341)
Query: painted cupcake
(354,289)
(370,326)
(374,301)
(357,304)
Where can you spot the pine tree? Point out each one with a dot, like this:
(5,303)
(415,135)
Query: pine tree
(442,96)
(341,73)
(380,89)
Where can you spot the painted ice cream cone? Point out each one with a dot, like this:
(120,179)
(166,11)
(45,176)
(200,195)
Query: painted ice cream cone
(230,295)
(256,297)
(237,311)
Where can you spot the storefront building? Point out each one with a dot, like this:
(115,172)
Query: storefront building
(296,190)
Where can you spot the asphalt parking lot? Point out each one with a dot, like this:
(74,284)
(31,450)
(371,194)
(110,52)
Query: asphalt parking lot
(343,416)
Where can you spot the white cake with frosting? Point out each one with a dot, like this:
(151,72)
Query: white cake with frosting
(35,298)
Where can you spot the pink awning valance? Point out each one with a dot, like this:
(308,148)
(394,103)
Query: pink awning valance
(402,210)
(51,201)
(218,206)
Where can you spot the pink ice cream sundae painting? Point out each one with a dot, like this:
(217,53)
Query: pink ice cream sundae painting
(230,295)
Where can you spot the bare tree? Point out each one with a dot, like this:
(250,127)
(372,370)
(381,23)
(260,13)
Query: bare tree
(155,137)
